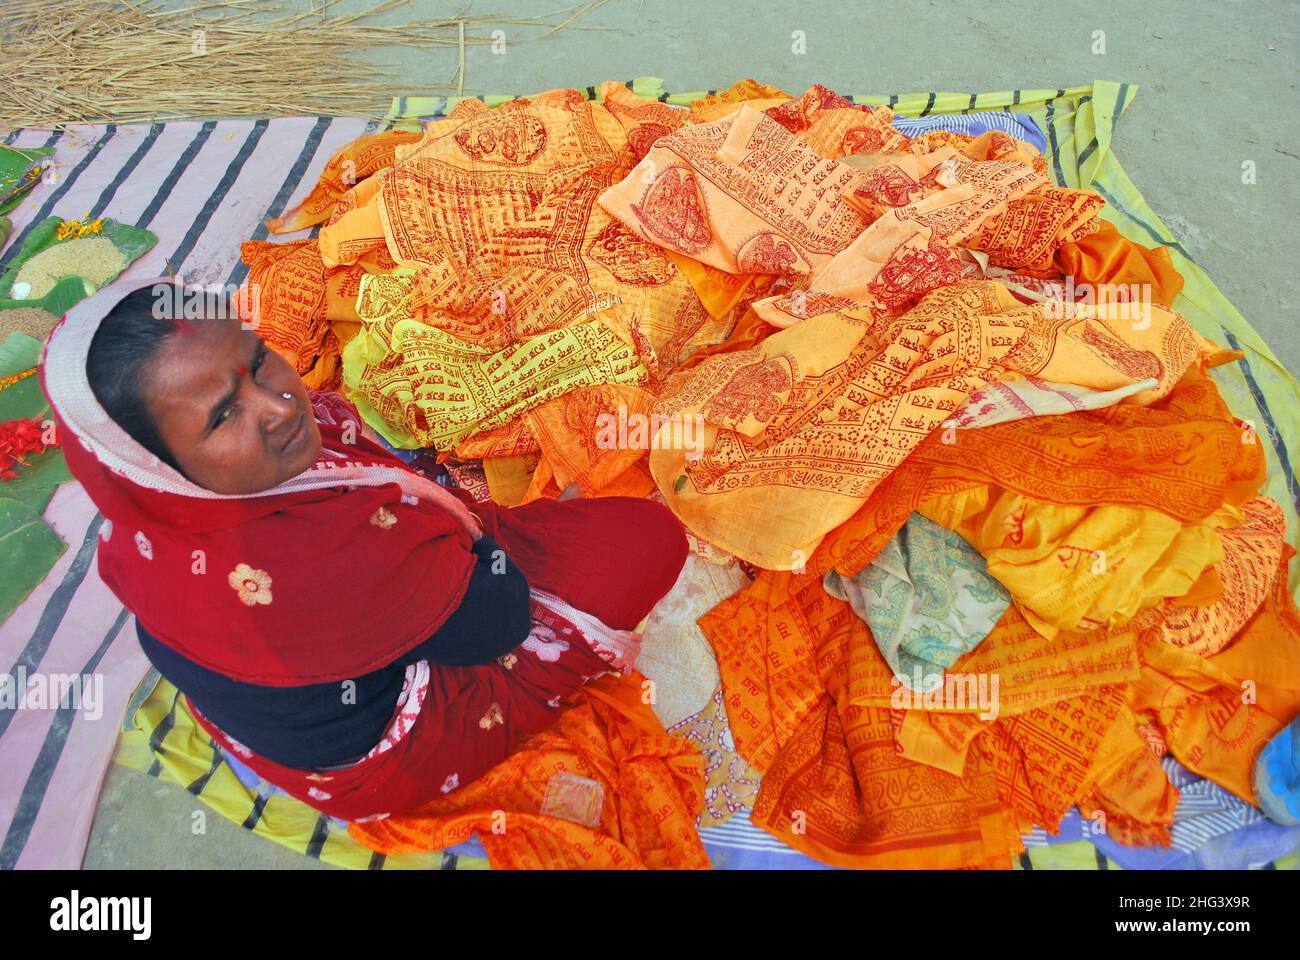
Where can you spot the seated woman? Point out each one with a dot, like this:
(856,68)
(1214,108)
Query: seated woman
(359,635)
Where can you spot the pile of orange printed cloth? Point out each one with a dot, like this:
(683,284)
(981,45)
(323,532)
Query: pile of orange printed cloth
(800,328)
(604,789)
(471,296)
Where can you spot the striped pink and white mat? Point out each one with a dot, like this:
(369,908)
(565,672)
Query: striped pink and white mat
(202,188)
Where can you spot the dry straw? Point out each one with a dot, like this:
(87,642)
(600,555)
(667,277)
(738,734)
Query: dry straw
(122,61)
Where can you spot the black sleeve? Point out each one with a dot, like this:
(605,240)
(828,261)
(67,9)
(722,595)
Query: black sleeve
(492,619)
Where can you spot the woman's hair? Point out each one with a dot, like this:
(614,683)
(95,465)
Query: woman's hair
(127,338)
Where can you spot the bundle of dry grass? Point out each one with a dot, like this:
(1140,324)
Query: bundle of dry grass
(100,61)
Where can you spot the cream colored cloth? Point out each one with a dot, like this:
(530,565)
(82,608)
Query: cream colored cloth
(674,651)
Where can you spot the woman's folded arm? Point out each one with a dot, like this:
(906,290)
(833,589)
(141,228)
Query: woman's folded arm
(492,618)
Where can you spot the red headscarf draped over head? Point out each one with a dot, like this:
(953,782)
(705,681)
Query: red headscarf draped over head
(333,573)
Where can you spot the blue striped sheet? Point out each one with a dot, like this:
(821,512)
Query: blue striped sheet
(1019,125)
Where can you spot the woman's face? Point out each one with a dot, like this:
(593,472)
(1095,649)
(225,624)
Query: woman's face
(216,393)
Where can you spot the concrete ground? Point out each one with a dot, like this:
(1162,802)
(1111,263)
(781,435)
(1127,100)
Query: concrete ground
(1218,88)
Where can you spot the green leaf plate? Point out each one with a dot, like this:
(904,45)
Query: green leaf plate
(134,242)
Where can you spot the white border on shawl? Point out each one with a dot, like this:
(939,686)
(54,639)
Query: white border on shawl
(619,647)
